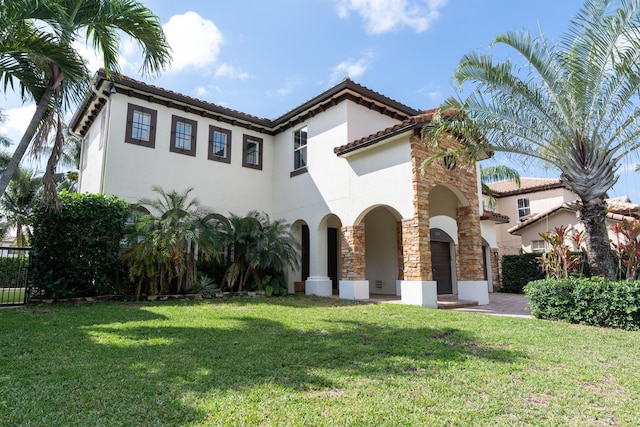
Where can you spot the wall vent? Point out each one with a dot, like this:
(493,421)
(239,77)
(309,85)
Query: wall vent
(379,284)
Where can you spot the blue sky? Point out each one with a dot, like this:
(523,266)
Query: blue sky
(265,57)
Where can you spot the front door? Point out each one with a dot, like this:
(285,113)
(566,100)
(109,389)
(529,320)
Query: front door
(441,266)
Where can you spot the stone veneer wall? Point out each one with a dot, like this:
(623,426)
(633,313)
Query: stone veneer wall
(417,252)
(495,269)
(352,250)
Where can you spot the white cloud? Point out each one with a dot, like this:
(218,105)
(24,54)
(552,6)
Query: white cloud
(195,41)
(231,72)
(382,16)
(201,92)
(351,68)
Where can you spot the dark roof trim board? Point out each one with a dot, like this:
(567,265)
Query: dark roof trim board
(345,90)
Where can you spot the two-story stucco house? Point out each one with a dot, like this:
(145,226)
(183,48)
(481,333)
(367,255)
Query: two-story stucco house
(343,168)
(540,205)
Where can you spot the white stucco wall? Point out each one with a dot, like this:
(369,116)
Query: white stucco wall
(92,156)
(131,170)
(381,249)
(347,187)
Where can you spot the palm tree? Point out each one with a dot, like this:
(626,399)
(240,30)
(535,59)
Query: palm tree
(572,106)
(494,174)
(165,241)
(256,243)
(40,59)
(19,200)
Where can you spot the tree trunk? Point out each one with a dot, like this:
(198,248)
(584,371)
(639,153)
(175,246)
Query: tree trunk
(18,154)
(593,214)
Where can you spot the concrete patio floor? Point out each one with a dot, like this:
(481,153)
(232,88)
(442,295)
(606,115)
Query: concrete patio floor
(500,304)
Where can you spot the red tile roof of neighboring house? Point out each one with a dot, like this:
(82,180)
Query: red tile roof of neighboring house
(527,185)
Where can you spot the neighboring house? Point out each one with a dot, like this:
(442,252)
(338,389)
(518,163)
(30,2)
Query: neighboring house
(534,196)
(342,168)
(541,205)
(620,208)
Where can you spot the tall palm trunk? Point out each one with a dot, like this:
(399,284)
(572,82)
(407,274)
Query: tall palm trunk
(21,149)
(593,214)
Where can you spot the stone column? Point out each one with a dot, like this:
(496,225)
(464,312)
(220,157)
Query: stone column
(471,283)
(353,284)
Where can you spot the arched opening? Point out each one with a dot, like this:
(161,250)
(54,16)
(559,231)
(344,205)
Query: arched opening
(300,230)
(381,249)
(333,225)
(441,260)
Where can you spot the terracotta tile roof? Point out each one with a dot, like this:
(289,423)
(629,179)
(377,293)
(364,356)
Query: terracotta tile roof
(527,185)
(411,123)
(619,208)
(345,90)
(494,216)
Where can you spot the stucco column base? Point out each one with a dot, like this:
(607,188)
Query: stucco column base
(318,285)
(354,289)
(416,292)
(474,290)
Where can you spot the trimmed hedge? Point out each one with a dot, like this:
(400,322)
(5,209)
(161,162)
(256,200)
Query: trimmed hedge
(518,270)
(590,301)
(76,250)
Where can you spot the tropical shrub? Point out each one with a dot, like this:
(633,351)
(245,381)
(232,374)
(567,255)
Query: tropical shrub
(75,249)
(257,244)
(627,247)
(518,270)
(591,301)
(565,254)
(165,242)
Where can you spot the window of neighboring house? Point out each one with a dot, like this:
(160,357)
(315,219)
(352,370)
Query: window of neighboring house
(219,144)
(141,126)
(252,152)
(524,207)
(300,150)
(183,135)
(537,246)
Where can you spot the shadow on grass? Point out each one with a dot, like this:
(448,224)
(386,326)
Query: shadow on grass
(139,372)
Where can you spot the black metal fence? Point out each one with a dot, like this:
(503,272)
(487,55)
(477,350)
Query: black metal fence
(14,275)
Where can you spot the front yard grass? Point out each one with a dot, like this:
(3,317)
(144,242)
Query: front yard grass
(308,361)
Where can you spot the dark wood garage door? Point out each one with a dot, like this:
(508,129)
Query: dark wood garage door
(441,266)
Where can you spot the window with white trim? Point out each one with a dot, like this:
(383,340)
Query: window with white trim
(524,207)
(300,149)
(537,246)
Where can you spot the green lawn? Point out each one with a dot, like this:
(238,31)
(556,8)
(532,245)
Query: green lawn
(308,361)
(11,295)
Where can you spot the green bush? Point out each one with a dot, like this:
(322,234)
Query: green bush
(76,249)
(591,301)
(518,270)
(13,271)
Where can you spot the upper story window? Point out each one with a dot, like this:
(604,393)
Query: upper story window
(300,149)
(252,152)
(183,135)
(141,126)
(524,207)
(219,144)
